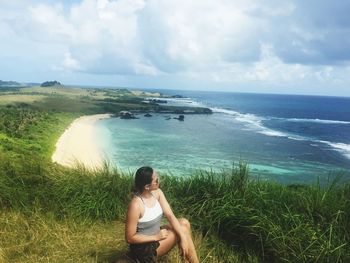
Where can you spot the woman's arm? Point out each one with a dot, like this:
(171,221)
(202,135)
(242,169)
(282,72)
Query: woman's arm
(132,218)
(173,221)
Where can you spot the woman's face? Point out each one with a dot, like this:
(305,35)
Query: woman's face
(154,185)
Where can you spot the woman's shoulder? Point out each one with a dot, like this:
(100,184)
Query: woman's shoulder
(135,202)
(157,193)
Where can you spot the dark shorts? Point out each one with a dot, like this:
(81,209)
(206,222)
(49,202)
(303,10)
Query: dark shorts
(145,252)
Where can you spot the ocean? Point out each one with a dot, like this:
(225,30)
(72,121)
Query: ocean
(286,138)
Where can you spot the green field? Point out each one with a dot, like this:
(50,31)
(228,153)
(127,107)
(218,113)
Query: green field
(20,98)
(50,213)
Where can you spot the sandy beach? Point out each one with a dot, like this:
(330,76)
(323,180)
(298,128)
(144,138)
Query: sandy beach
(78,143)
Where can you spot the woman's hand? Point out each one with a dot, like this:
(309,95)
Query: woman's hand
(184,247)
(162,234)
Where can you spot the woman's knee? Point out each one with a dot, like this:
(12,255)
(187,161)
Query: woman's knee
(167,244)
(185,223)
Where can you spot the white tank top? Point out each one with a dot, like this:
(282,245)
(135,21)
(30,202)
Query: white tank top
(149,223)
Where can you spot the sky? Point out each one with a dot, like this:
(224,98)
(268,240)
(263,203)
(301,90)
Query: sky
(262,46)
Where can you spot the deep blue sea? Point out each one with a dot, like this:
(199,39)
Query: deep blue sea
(287,138)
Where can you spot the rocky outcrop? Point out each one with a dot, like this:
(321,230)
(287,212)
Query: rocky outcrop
(180,118)
(126,115)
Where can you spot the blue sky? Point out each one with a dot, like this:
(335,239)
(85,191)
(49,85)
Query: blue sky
(290,47)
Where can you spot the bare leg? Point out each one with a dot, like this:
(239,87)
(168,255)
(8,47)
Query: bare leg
(167,244)
(192,254)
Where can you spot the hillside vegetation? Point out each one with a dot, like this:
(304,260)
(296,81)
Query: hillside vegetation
(51,213)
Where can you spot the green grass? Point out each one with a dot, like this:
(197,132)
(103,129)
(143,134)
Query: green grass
(50,208)
(19,98)
(262,220)
(41,237)
(24,130)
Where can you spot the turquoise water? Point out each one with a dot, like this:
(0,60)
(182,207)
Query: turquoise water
(210,142)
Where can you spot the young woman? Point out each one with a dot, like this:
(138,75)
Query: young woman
(147,238)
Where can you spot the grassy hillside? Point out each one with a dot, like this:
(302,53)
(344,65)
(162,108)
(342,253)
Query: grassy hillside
(50,213)
(261,220)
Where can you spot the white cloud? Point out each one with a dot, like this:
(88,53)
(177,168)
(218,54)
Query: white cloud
(93,31)
(162,36)
(197,32)
(223,41)
(269,69)
(51,23)
(69,63)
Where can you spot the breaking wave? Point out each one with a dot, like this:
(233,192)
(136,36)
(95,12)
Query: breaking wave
(255,122)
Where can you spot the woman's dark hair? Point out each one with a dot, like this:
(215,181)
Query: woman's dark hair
(143,176)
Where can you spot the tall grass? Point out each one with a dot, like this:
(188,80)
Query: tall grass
(255,219)
(275,222)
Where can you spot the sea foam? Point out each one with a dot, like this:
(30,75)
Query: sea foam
(316,121)
(340,147)
(255,122)
(183,102)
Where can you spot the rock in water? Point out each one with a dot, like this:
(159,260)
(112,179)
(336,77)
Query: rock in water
(126,115)
(180,118)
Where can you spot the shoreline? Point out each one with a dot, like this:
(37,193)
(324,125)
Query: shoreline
(78,143)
